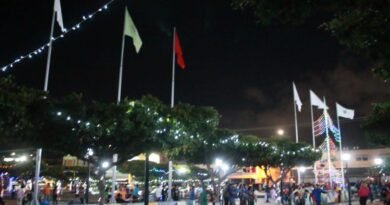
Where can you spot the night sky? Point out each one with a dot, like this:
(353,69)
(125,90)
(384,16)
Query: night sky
(243,69)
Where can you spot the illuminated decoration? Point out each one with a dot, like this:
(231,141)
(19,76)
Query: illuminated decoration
(155,170)
(320,127)
(65,31)
(325,170)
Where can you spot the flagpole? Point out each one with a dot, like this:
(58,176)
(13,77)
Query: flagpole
(296,131)
(173,70)
(49,52)
(314,141)
(341,153)
(172,105)
(327,142)
(121,64)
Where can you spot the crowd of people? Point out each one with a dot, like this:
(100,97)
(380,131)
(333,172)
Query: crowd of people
(309,194)
(366,192)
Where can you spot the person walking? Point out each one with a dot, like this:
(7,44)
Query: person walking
(363,193)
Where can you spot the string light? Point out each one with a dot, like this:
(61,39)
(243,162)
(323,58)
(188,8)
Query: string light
(178,132)
(39,50)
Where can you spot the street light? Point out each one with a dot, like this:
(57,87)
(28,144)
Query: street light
(302,170)
(280,132)
(105,164)
(378,161)
(346,157)
(220,166)
(89,154)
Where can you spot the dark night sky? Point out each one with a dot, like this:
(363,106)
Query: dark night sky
(242,69)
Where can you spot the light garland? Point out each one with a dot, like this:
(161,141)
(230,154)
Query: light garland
(234,139)
(39,50)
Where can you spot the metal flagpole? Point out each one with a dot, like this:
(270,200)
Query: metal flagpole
(121,66)
(49,53)
(314,141)
(341,153)
(172,104)
(327,142)
(296,131)
(173,70)
(114,160)
(36,181)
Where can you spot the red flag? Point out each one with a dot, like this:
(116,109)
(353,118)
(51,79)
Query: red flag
(179,52)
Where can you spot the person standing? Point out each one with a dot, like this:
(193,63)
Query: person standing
(225,195)
(203,197)
(232,194)
(47,192)
(1,192)
(251,196)
(54,195)
(191,196)
(135,193)
(363,193)
(175,193)
(316,194)
(158,193)
(20,195)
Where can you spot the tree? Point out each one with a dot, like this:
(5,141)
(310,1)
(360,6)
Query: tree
(200,134)
(376,125)
(283,154)
(127,129)
(15,124)
(71,126)
(361,25)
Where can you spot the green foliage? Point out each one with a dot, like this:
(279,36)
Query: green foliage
(15,104)
(377,124)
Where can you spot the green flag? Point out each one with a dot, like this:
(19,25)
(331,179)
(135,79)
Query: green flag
(131,31)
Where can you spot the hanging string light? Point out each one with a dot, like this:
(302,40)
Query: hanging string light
(42,48)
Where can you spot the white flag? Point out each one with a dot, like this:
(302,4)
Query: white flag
(57,9)
(316,101)
(297,100)
(344,112)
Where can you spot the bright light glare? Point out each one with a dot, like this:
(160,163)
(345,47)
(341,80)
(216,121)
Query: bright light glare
(90,152)
(218,162)
(225,167)
(153,157)
(105,164)
(21,159)
(280,132)
(182,170)
(8,159)
(302,169)
(378,161)
(346,157)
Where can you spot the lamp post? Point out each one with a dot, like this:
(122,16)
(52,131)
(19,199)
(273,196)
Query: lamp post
(89,154)
(302,170)
(378,162)
(221,167)
(346,157)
